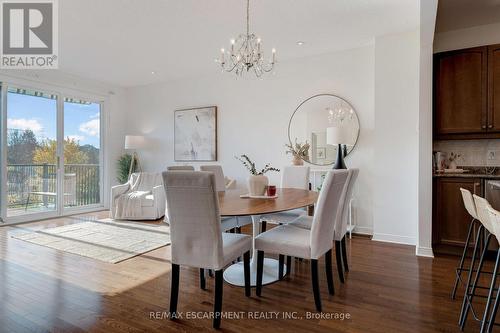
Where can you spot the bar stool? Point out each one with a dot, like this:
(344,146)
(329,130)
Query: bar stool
(495,221)
(470,206)
(483,215)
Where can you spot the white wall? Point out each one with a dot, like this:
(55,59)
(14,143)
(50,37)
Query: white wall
(469,37)
(114,108)
(395,160)
(428,11)
(253,115)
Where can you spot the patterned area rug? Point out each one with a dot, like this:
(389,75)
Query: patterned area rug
(105,240)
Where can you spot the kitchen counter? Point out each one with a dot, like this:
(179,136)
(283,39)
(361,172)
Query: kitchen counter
(466,175)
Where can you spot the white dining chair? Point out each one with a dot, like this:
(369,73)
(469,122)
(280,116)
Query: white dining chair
(180,168)
(340,230)
(292,176)
(232,224)
(310,244)
(196,235)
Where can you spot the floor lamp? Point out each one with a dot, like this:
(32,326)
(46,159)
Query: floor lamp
(134,142)
(338,136)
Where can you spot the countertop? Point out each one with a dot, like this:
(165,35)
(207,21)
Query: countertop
(472,172)
(466,175)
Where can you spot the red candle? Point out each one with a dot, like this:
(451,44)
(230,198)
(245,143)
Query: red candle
(271,190)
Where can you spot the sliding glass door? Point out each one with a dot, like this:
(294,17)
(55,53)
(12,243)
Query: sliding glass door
(51,154)
(82,153)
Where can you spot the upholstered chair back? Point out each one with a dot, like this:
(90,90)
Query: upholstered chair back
(341,224)
(328,210)
(220,181)
(469,202)
(295,177)
(495,221)
(180,168)
(482,212)
(193,212)
(146,181)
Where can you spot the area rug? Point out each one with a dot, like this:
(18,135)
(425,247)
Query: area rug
(105,240)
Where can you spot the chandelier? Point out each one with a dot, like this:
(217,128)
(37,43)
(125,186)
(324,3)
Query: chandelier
(246,54)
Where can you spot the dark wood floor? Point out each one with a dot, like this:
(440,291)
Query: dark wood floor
(388,289)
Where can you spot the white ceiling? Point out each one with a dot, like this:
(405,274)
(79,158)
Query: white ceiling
(123,41)
(460,14)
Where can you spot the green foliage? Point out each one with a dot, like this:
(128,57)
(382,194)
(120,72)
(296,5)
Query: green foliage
(46,152)
(22,145)
(251,166)
(123,166)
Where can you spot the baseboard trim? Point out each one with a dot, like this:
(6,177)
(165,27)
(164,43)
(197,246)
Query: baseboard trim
(362,230)
(389,238)
(424,252)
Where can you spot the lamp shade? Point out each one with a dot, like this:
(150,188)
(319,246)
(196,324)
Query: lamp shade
(337,135)
(134,141)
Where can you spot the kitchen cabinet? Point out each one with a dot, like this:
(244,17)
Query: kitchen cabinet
(461,91)
(467,93)
(494,87)
(451,219)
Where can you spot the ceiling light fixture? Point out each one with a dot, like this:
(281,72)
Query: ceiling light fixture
(300,43)
(246,54)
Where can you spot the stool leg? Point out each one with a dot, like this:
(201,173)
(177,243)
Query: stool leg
(467,300)
(490,294)
(493,313)
(458,271)
(469,276)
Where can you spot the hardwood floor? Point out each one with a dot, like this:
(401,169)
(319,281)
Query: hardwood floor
(388,289)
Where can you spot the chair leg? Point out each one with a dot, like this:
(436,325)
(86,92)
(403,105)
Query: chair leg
(174,290)
(263,226)
(281,264)
(459,269)
(329,273)
(218,298)
(288,264)
(260,271)
(202,279)
(344,254)
(490,293)
(246,272)
(338,254)
(315,283)
(467,302)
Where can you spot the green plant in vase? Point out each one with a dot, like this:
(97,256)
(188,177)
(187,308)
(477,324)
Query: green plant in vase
(299,151)
(257,181)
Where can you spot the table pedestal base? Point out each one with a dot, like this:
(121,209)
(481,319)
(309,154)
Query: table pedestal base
(234,273)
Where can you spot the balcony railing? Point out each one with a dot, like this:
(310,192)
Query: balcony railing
(26,182)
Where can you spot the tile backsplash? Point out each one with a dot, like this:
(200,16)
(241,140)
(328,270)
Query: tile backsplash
(473,152)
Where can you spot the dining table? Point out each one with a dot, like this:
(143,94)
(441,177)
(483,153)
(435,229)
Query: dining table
(232,204)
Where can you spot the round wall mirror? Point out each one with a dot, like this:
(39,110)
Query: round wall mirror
(316,116)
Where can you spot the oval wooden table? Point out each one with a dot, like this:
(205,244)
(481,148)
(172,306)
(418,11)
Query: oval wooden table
(230,204)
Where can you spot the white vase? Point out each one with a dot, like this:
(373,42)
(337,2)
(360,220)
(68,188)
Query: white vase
(297,160)
(257,185)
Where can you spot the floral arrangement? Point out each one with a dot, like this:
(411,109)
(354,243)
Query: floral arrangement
(251,166)
(454,157)
(300,150)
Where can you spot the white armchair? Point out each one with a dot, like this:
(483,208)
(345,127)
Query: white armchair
(141,198)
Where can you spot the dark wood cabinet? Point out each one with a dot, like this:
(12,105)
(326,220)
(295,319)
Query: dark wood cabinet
(460,91)
(460,84)
(494,87)
(451,219)
(467,93)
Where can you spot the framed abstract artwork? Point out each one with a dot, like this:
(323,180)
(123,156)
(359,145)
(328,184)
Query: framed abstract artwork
(195,134)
